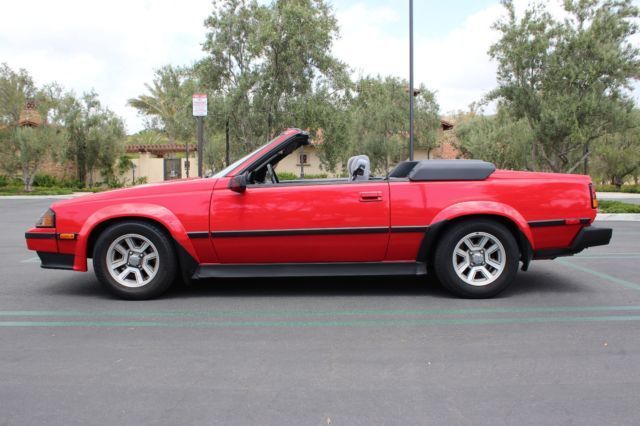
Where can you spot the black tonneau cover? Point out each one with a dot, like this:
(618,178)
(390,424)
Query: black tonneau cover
(438,170)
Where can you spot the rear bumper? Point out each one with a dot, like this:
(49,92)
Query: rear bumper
(589,236)
(56,260)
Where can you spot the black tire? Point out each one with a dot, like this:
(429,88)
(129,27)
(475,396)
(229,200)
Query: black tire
(165,272)
(444,264)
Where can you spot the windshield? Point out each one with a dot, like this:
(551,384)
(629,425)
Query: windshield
(232,166)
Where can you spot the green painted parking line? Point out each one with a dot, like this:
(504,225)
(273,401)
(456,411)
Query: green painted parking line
(353,323)
(337,313)
(599,274)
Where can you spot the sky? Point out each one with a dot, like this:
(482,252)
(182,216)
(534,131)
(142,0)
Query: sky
(114,47)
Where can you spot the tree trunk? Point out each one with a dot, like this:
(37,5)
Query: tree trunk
(226,146)
(586,159)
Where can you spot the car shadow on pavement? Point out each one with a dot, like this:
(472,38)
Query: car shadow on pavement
(87,286)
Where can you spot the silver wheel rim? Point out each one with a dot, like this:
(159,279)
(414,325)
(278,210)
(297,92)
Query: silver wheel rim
(133,260)
(479,258)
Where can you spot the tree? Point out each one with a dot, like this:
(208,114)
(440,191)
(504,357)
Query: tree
(618,154)
(95,136)
(567,79)
(264,59)
(499,139)
(24,149)
(168,103)
(379,113)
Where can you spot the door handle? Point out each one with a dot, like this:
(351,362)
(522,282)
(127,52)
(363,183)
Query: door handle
(370,196)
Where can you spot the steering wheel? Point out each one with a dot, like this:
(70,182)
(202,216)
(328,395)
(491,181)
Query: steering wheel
(274,177)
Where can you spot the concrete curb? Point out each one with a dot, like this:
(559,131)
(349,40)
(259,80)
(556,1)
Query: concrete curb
(626,217)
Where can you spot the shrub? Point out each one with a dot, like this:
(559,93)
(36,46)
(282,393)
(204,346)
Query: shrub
(293,176)
(4,180)
(44,180)
(635,189)
(71,183)
(608,206)
(287,176)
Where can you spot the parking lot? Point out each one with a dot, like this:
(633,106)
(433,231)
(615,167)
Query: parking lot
(562,345)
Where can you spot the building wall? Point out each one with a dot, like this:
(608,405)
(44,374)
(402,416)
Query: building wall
(291,163)
(152,168)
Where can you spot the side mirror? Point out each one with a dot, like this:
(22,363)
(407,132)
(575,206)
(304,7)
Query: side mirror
(238,183)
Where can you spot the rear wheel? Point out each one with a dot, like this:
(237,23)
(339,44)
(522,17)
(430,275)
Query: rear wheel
(135,260)
(477,258)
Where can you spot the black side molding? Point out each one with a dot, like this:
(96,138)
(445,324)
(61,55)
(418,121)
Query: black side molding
(556,222)
(589,236)
(196,235)
(39,235)
(310,269)
(56,260)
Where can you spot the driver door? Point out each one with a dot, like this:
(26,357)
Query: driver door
(301,222)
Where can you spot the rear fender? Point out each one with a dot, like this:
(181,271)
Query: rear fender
(153,212)
(472,208)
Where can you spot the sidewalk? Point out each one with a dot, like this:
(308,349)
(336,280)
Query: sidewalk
(617,196)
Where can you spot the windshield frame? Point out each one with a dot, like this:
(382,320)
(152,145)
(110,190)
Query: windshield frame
(243,163)
(237,163)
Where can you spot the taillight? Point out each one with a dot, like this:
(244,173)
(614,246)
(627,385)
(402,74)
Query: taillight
(594,199)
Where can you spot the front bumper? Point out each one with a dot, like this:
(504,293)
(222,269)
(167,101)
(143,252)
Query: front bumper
(56,260)
(53,252)
(589,236)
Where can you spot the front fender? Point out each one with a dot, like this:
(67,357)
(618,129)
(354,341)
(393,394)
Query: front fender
(130,210)
(471,208)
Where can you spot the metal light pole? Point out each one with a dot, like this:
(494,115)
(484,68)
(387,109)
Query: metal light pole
(411,88)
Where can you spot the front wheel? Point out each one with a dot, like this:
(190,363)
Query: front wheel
(134,260)
(477,258)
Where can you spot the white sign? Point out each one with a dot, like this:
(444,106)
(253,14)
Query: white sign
(199,105)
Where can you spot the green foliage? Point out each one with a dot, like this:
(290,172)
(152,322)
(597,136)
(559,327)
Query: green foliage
(632,189)
(608,206)
(149,136)
(45,180)
(167,106)
(379,126)
(4,180)
(284,176)
(498,139)
(618,154)
(287,176)
(95,136)
(23,149)
(19,190)
(567,79)
(269,67)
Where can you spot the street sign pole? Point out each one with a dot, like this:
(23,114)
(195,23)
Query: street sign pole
(200,134)
(199,112)
(411,88)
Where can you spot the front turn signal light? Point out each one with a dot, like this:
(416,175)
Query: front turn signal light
(47,220)
(594,199)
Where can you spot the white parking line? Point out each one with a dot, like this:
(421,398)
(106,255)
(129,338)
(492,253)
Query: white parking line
(31,260)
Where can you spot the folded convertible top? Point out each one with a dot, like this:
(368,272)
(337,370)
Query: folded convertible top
(439,170)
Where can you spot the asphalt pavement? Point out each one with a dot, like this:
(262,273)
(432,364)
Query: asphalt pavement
(560,346)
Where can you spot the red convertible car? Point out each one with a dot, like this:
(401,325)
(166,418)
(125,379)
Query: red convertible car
(465,221)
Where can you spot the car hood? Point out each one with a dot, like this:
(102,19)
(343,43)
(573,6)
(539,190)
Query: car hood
(141,191)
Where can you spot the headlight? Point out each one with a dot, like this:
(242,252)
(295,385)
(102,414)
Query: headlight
(47,220)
